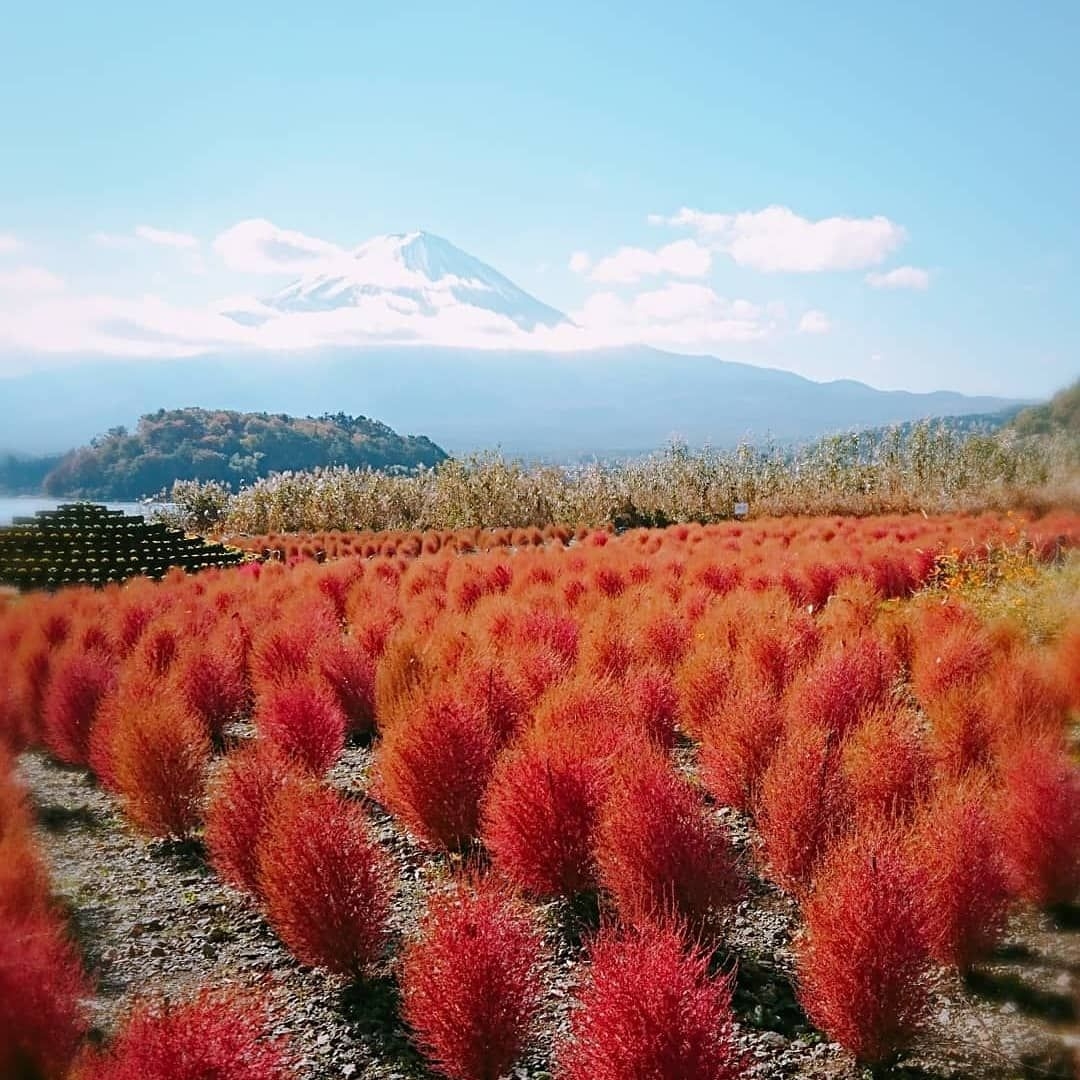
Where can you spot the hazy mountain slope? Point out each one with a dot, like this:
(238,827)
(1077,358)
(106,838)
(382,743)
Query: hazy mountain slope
(619,400)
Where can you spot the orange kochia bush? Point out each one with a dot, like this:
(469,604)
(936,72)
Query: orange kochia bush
(545,695)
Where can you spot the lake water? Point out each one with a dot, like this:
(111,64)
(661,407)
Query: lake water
(13,506)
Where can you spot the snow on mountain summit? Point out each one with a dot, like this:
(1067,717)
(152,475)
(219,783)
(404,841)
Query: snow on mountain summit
(413,273)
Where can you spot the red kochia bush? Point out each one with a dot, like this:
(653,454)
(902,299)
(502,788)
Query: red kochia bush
(284,652)
(959,738)
(862,962)
(80,680)
(957,848)
(24,883)
(159,753)
(952,658)
(1040,822)
(1067,665)
(41,988)
(885,766)
(737,746)
(1023,699)
(652,704)
(303,722)
(840,686)
(649,1010)
(803,805)
(347,667)
(540,818)
(434,768)
(241,800)
(213,682)
(216,1034)
(659,852)
(325,880)
(705,683)
(470,982)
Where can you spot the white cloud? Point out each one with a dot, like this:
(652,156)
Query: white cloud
(580,262)
(258,246)
(679,315)
(30,279)
(8,244)
(815,322)
(684,315)
(683,258)
(903,277)
(778,239)
(165,238)
(114,241)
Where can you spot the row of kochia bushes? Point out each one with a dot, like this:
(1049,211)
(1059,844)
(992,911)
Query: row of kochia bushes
(904,766)
(928,467)
(767,538)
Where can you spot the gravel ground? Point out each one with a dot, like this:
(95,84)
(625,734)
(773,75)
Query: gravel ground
(153,918)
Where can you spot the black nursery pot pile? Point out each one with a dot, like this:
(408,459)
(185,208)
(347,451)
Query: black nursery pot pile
(88,544)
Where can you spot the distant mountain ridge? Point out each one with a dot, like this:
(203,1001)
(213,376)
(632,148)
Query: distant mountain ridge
(556,405)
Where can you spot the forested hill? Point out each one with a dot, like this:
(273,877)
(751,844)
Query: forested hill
(1061,414)
(231,447)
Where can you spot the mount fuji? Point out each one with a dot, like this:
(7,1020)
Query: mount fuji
(416,274)
(369,358)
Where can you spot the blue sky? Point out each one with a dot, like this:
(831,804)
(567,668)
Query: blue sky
(920,162)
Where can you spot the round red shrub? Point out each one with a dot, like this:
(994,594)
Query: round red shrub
(957,848)
(80,680)
(1039,818)
(804,805)
(540,818)
(840,686)
(885,767)
(649,1009)
(216,1034)
(325,880)
(212,680)
(242,797)
(659,852)
(471,984)
(652,702)
(737,745)
(158,756)
(24,883)
(348,669)
(433,769)
(41,992)
(304,723)
(862,961)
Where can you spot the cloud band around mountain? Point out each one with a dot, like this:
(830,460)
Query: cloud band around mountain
(445,297)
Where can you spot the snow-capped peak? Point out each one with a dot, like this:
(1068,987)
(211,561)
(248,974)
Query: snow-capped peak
(413,272)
